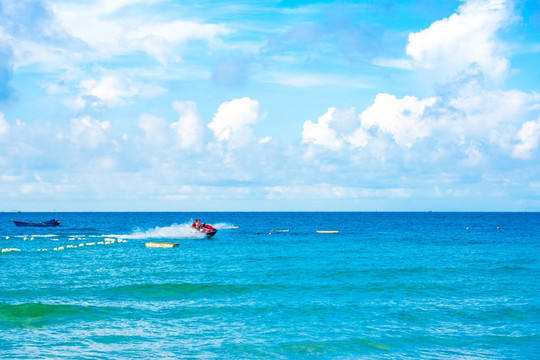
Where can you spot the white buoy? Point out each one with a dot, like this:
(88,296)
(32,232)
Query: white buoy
(100,243)
(81,245)
(7,237)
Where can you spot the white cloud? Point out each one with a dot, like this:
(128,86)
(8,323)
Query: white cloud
(306,80)
(329,191)
(474,156)
(494,116)
(465,39)
(462,128)
(321,133)
(402,118)
(335,129)
(88,131)
(404,64)
(233,120)
(110,33)
(528,137)
(110,90)
(189,129)
(359,138)
(265,140)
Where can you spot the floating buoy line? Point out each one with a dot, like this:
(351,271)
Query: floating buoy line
(83,242)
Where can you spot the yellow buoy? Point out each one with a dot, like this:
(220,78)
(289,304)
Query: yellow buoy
(160,245)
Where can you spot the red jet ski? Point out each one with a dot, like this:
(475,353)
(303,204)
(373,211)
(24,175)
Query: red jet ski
(207,230)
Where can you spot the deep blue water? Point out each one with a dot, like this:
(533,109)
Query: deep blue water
(388,286)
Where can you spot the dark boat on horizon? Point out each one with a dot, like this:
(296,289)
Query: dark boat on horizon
(49,223)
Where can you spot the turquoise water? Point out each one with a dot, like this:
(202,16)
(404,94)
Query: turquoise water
(388,286)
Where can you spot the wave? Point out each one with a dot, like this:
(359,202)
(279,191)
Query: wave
(176,291)
(174,231)
(36,315)
(224,226)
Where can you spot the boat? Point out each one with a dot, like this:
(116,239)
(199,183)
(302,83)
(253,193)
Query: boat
(206,229)
(49,223)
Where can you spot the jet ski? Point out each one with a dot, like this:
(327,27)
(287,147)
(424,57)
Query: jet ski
(206,229)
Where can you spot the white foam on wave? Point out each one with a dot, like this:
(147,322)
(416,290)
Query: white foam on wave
(37,236)
(175,231)
(223,226)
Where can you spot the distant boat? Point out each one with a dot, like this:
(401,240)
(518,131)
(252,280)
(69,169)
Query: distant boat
(49,223)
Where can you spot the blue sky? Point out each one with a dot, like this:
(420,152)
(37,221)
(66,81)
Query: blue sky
(164,105)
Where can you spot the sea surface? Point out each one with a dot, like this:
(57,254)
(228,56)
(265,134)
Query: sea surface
(387,286)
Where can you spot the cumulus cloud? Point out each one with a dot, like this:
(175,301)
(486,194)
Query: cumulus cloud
(465,39)
(466,127)
(232,122)
(335,129)
(321,133)
(402,118)
(189,129)
(528,137)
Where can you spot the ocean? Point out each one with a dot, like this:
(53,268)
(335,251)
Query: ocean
(386,286)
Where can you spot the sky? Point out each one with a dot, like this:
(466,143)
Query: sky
(162,105)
